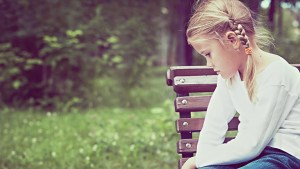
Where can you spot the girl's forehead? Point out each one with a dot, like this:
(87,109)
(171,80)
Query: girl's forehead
(202,39)
(202,42)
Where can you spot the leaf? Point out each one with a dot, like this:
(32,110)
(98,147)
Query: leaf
(50,39)
(4,46)
(113,39)
(16,84)
(105,57)
(117,59)
(74,33)
(34,61)
(14,70)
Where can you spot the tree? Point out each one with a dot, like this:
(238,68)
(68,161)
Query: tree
(184,50)
(50,55)
(271,13)
(254,5)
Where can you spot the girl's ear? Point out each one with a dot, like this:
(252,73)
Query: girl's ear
(233,39)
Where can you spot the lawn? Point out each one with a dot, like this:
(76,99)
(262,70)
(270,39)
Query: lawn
(102,138)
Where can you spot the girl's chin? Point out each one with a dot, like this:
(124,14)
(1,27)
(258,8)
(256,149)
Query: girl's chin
(225,76)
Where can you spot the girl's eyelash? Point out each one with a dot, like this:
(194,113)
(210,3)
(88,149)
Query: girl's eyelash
(207,55)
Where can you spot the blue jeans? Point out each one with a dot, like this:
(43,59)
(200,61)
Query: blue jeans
(270,157)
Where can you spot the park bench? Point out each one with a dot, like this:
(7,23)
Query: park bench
(193,86)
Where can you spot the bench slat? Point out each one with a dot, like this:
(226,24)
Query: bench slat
(188,71)
(190,145)
(196,124)
(191,70)
(189,124)
(187,146)
(181,161)
(194,71)
(192,103)
(187,84)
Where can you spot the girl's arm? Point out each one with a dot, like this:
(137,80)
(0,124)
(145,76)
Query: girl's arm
(275,100)
(219,113)
(189,164)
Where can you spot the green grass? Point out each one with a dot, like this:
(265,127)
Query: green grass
(103,138)
(151,92)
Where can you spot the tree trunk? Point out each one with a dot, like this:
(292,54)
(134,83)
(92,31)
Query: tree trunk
(254,5)
(271,14)
(280,16)
(184,52)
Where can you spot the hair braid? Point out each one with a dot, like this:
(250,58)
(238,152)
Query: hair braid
(216,17)
(250,69)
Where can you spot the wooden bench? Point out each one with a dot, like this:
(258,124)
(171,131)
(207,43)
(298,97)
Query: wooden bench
(193,86)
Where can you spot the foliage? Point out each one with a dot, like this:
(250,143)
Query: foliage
(286,43)
(66,54)
(50,54)
(106,138)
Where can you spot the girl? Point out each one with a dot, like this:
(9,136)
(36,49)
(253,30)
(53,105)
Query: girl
(262,87)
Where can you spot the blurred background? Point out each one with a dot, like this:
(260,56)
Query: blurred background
(82,82)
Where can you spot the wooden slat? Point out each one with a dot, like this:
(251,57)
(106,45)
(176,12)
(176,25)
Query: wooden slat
(192,103)
(193,71)
(187,71)
(181,161)
(297,66)
(196,124)
(228,139)
(190,145)
(169,80)
(189,124)
(187,84)
(233,124)
(187,146)
(193,143)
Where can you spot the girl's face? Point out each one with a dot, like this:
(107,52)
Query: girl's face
(223,58)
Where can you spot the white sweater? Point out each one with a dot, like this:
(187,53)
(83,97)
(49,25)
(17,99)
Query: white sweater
(273,120)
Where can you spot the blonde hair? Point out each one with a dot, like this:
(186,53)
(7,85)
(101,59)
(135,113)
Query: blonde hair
(216,17)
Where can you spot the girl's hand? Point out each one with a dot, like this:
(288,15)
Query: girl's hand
(189,164)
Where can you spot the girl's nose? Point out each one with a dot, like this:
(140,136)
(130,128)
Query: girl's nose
(209,64)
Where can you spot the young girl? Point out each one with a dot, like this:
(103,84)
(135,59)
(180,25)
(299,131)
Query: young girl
(262,87)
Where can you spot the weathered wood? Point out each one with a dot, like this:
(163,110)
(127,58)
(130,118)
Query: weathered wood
(192,103)
(174,71)
(187,84)
(187,146)
(297,66)
(188,71)
(169,80)
(196,124)
(190,145)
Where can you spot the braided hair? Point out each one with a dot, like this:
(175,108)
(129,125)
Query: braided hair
(250,70)
(219,16)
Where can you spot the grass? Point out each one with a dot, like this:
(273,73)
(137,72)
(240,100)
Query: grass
(141,137)
(151,92)
(102,138)
(97,138)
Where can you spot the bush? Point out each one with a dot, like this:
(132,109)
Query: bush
(52,63)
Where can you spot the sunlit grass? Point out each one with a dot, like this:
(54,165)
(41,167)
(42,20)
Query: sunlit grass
(103,138)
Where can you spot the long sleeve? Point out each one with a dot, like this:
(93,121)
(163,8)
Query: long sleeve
(273,106)
(220,112)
